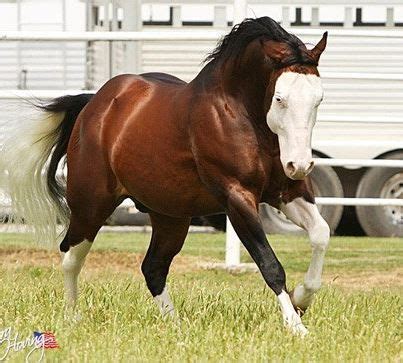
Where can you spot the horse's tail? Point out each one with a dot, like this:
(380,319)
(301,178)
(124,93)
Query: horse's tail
(29,160)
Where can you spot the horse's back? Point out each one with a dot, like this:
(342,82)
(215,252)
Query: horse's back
(125,100)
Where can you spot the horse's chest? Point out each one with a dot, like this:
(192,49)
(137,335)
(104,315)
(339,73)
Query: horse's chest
(275,180)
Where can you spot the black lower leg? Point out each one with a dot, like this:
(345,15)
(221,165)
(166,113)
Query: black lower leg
(245,219)
(155,273)
(270,267)
(166,241)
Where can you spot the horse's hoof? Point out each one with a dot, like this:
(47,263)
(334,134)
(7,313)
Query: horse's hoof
(72,316)
(300,310)
(300,303)
(299,330)
(295,325)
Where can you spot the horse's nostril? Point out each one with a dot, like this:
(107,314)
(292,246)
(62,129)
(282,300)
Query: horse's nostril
(291,167)
(310,167)
(299,169)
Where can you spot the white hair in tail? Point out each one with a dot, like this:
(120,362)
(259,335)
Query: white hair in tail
(24,157)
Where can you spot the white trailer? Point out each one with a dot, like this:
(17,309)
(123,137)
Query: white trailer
(362,72)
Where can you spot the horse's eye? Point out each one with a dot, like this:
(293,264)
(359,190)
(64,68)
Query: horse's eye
(278,98)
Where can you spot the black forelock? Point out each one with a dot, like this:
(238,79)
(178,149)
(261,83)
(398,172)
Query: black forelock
(235,42)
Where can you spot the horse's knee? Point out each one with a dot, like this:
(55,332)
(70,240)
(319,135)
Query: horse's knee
(319,235)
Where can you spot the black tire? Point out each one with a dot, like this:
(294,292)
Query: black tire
(382,183)
(326,183)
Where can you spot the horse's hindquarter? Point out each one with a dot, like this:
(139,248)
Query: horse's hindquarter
(145,133)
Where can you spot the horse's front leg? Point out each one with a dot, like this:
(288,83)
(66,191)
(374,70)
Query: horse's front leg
(242,210)
(307,216)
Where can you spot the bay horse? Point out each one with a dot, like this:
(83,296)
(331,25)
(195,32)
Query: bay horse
(237,135)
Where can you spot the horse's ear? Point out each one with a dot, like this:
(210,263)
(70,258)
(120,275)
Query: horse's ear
(319,48)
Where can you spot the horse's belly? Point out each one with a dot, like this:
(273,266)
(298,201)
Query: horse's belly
(171,193)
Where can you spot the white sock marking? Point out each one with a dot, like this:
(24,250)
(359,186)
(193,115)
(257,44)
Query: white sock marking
(307,216)
(164,303)
(291,319)
(73,261)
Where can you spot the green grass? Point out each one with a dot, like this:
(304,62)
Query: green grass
(223,316)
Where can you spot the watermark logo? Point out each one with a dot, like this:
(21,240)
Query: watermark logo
(10,341)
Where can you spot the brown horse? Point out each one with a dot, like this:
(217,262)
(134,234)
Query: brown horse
(237,135)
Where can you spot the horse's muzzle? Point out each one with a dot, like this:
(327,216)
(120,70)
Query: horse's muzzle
(298,170)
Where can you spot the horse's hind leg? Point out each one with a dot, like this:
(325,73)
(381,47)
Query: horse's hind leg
(87,217)
(73,261)
(167,240)
(307,216)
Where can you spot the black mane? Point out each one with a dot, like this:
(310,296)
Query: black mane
(235,42)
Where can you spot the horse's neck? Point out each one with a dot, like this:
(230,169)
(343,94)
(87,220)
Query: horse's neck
(246,79)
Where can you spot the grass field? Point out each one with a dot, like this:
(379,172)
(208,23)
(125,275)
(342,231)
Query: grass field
(357,316)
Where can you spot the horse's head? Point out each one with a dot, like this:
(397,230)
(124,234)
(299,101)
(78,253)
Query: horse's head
(292,99)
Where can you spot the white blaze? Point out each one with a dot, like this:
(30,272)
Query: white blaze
(292,116)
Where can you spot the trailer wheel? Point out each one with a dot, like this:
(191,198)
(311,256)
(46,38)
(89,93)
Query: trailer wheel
(325,183)
(382,183)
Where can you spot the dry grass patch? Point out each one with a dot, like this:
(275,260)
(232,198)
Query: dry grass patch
(97,261)
(100,261)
